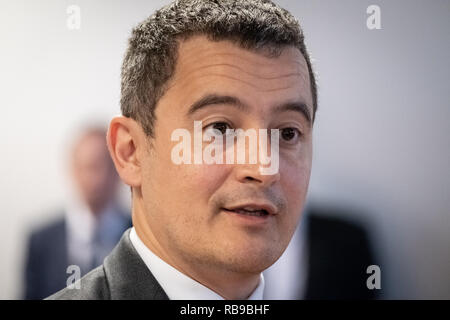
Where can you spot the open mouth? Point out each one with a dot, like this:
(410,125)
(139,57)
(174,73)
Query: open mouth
(250,212)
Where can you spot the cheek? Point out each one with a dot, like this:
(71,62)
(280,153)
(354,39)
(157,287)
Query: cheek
(189,184)
(205,180)
(298,169)
(192,186)
(295,186)
(294,182)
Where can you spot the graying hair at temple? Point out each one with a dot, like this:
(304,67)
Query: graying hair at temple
(151,56)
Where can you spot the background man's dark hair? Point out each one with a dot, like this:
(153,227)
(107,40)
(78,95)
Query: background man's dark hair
(150,60)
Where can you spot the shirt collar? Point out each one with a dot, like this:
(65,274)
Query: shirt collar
(176,284)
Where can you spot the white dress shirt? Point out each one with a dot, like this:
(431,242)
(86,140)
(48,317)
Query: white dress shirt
(175,284)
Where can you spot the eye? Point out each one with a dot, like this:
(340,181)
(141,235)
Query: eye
(221,126)
(290,134)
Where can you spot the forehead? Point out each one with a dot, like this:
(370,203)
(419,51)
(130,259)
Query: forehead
(205,66)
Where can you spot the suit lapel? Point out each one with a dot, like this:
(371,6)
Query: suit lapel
(127,275)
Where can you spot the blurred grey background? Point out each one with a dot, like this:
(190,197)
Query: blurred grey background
(381,135)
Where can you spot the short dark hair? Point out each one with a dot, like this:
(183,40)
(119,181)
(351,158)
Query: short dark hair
(152,52)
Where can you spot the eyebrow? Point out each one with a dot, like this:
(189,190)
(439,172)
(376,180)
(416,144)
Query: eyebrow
(215,99)
(299,107)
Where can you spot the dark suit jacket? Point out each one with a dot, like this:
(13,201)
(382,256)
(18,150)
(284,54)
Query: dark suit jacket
(47,259)
(123,276)
(339,252)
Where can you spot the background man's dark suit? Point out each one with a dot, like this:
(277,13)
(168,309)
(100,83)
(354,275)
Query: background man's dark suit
(47,259)
(327,259)
(339,252)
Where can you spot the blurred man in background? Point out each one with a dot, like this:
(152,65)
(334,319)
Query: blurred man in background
(327,258)
(88,228)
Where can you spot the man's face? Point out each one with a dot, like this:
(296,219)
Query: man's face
(186,205)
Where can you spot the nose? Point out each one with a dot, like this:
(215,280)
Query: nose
(251,173)
(257,148)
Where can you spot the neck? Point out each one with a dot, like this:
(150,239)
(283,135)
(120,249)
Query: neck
(226,283)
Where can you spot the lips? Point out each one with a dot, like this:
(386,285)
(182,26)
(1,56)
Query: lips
(253,209)
(254,213)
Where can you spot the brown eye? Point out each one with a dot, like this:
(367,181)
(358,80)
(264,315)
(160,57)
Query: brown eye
(221,126)
(288,134)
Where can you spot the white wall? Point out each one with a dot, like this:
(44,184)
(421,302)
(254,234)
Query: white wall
(381,136)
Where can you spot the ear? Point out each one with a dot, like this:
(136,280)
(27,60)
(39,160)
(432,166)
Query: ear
(125,140)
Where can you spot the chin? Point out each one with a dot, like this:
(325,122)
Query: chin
(253,259)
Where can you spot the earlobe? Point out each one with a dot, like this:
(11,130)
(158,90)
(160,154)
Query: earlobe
(123,143)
